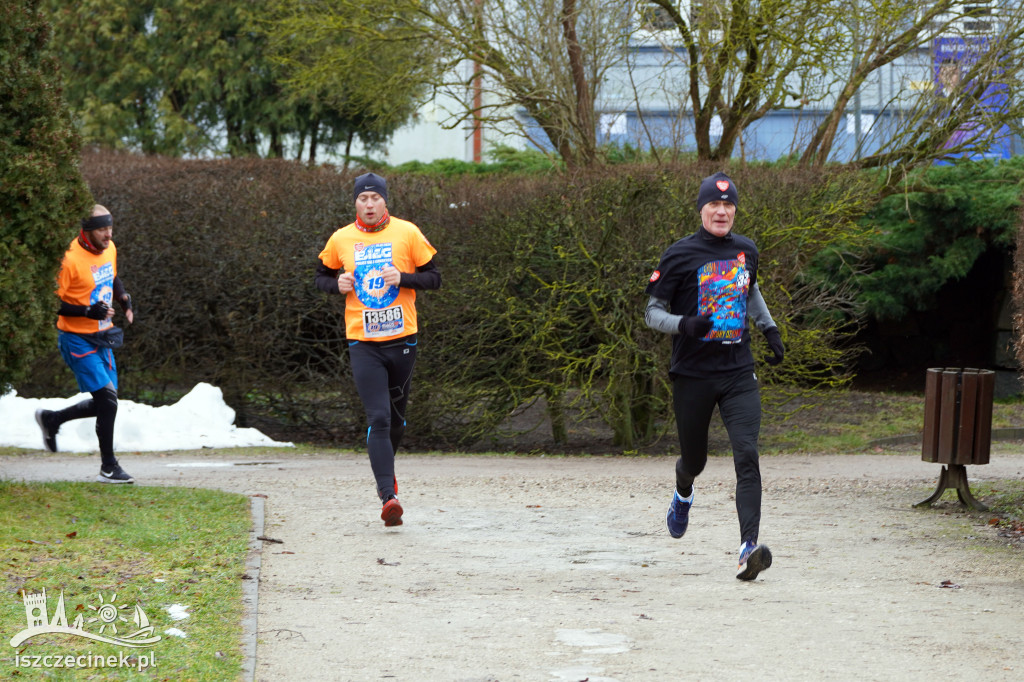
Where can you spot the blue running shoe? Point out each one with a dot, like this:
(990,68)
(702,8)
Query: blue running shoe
(754,558)
(678,514)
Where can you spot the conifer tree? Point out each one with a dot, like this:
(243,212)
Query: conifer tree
(42,193)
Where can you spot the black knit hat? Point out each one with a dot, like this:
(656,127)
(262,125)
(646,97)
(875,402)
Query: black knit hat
(370,182)
(717,187)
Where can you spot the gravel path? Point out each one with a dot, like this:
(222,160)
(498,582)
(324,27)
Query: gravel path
(532,568)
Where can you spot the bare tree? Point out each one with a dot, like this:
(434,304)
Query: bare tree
(949,116)
(540,68)
(744,58)
(540,63)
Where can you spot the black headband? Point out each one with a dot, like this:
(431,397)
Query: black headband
(97,221)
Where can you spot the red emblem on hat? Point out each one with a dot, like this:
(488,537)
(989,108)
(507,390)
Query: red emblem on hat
(722,185)
(655,275)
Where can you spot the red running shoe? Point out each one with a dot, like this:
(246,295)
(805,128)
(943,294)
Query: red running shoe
(392,512)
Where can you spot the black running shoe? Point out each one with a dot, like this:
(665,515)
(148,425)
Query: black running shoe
(114,474)
(754,558)
(45,420)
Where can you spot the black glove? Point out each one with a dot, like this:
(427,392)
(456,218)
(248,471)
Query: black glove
(97,311)
(771,335)
(126,302)
(696,326)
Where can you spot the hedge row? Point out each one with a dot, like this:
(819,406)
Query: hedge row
(542,296)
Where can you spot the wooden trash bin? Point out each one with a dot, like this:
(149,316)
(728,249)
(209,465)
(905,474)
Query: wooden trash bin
(957,427)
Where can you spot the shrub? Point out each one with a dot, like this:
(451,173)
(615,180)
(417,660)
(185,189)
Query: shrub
(41,189)
(542,297)
(934,233)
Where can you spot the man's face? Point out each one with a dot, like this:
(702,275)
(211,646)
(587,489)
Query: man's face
(100,238)
(717,217)
(370,207)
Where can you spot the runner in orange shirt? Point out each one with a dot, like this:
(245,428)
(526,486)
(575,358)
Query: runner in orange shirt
(378,262)
(87,286)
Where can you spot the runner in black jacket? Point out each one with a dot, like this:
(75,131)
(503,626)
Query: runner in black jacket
(702,292)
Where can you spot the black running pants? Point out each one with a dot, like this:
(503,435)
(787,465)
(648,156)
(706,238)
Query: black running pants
(103,406)
(739,402)
(383,376)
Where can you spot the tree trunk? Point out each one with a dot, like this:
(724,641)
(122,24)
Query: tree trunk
(276,149)
(556,413)
(820,146)
(587,148)
(314,129)
(348,148)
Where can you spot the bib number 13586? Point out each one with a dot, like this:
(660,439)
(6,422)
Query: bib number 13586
(383,322)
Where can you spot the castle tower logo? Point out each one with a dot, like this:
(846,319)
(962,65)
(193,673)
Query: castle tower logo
(109,616)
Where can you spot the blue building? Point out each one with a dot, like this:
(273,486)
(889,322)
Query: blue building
(642,101)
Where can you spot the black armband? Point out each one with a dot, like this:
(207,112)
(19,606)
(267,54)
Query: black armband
(427,276)
(326,278)
(122,296)
(72,310)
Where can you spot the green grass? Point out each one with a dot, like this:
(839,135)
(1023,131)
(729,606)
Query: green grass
(148,546)
(1005,502)
(1008,498)
(847,421)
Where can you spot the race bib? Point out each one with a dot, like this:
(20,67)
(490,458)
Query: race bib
(370,287)
(383,322)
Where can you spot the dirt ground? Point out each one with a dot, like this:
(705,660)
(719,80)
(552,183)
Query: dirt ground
(540,568)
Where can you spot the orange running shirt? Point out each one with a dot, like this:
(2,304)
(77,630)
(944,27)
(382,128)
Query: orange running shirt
(375,311)
(84,279)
